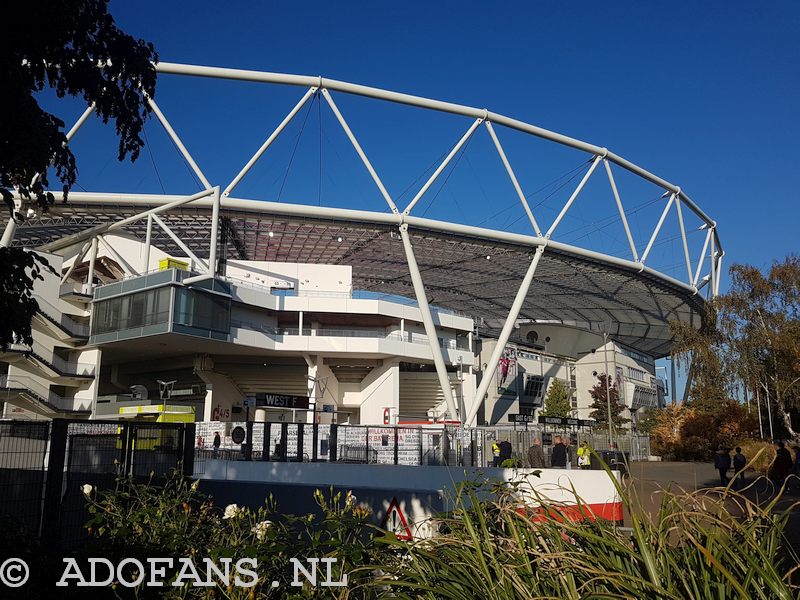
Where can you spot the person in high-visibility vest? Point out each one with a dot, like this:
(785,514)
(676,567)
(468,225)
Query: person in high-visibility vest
(584,456)
(496,454)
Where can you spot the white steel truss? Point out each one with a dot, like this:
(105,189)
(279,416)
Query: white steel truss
(212,197)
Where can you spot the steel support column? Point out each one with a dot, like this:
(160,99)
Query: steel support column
(92,259)
(427,321)
(148,240)
(505,333)
(212,253)
(8,234)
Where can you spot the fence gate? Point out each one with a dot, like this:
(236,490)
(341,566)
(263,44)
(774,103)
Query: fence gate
(23,452)
(97,453)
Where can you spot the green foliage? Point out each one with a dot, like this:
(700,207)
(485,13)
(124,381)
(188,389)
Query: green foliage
(647,420)
(700,545)
(750,335)
(558,401)
(176,520)
(77,51)
(74,48)
(601,393)
(18,271)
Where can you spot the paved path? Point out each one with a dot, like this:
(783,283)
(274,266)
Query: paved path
(651,478)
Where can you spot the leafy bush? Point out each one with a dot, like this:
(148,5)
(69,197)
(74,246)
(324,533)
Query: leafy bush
(684,432)
(176,520)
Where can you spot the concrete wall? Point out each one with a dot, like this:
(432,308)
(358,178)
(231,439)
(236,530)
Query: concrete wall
(421,492)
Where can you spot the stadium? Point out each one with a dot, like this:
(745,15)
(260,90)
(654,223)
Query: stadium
(207,306)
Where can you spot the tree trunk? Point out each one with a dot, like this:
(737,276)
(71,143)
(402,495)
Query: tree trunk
(787,421)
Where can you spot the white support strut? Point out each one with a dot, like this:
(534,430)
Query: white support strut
(442,166)
(174,136)
(502,339)
(702,258)
(513,177)
(273,136)
(658,228)
(180,243)
(683,237)
(360,151)
(621,210)
(577,191)
(427,321)
(129,270)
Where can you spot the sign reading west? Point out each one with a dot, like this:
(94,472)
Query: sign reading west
(281,401)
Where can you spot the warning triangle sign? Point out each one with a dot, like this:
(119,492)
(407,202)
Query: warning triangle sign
(395,521)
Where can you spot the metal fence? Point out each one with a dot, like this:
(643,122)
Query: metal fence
(390,445)
(44,464)
(362,444)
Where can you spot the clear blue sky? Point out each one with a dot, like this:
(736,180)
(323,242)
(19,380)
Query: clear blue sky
(703,94)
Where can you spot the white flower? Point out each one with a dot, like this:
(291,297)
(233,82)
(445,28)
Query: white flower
(232,511)
(350,499)
(260,529)
(87,489)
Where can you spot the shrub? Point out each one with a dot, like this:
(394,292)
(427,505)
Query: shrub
(176,520)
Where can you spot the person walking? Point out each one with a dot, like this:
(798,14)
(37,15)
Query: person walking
(584,455)
(217,443)
(505,451)
(558,458)
(536,454)
(722,462)
(739,464)
(782,465)
(496,454)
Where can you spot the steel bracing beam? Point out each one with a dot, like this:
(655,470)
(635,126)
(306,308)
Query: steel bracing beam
(427,103)
(683,237)
(658,228)
(11,226)
(702,259)
(572,198)
(180,243)
(171,202)
(326,94)
(78,258)
(621,210)
(513,177)
(177,140)
(502,339)
(129,270)
(273,136)
(443,165)
(427,321)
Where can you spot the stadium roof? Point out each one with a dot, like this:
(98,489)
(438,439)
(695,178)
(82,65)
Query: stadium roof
(475,272)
